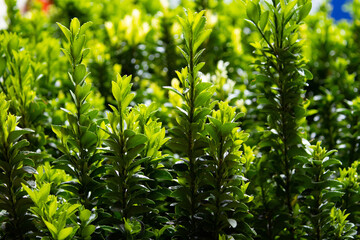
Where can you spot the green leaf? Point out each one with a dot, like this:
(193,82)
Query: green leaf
(52,208)
(88,230)
(74,26)
(68,55)
(182,22)
(85,52)
(71,188)
(262,78)
(64,233)
(65,30)
(202,86)
(72,209)
(331,162)
(116,91)
(85,27)
(129,133)
(304,11)
(85,215)
(199,22)
(82,92)
(73,97)
(203,98)
(333,195)
(163,229)
(186,56)
(203,36)
(174,90)
(226,128)
(30,193)
(308,74)
(98,171)
(253,11)
(77,46)
(198,54)
(2,65)
(13,44)
(43,194)
(51,228)
(289,8)
(84,108)
(264,19)
(88,139)
(133,152)
(136,140)
(20,144)
(16,134)
(127,100)
(198,67)
(79,73)
(161,175)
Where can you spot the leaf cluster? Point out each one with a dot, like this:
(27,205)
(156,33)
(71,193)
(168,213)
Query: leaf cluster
(16,168)
(80,138)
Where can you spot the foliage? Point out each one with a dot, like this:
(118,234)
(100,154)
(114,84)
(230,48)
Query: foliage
(320,196)
(52,216)
(80,138)
(227,193)
(16,167)
(282,79)
(229,149)
(350,188)
(187,133)
(19,78)
(134,139)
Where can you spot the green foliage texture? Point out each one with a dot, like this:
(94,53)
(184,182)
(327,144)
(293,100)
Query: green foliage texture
(199,120)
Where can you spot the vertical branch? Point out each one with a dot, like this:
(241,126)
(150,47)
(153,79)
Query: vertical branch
(191,122)
(282,86)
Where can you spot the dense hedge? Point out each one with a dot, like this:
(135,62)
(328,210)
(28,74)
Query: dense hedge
(142,120)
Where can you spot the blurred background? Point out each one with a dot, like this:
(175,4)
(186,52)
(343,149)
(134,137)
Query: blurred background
(338,8)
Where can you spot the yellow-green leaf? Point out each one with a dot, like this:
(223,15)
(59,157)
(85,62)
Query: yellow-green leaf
(64,233)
